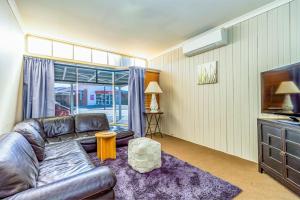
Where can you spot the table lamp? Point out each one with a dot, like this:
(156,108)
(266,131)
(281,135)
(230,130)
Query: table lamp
(153,88)
(287,88)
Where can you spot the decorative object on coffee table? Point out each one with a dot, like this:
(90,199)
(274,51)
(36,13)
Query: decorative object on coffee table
(149,118)
(144,154)
(106,145)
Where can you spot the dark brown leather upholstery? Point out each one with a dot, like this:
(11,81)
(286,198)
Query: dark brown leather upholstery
(61,149)
(18,165)
(63,160)
(94,184)
(33,132)
(65,173)
(54,126)
(91,122)
(122,132)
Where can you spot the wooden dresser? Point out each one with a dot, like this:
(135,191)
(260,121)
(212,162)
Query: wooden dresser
(279,152)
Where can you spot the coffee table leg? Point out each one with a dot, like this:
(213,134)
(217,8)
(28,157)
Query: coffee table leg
(108,148)
(98,148)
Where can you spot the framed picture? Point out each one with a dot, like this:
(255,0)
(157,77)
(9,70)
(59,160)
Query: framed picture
(207,73)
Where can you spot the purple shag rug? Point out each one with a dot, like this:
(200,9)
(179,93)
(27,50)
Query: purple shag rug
(175,179)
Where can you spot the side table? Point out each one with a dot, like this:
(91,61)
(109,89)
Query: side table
(149,118)
(106,145)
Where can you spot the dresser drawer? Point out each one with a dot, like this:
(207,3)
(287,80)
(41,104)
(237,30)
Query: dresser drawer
(292,148)
(272,130)
(293,176)
(293,162)
(292,135)
(272,158)
(271,136)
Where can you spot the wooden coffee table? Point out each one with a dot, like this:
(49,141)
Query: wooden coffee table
(106,145)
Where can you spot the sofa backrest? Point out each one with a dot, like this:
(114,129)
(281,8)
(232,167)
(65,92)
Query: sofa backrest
(18,165)
(91,122)
(34,133)
(54,126)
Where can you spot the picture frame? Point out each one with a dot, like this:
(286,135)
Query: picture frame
(207,73)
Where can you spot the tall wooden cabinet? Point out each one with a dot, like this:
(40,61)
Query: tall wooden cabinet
(150,76)
(279,152)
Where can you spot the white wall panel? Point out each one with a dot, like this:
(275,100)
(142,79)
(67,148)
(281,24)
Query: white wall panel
(223,116)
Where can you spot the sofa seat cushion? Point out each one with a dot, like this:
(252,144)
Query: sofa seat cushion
(62,138)
(61,149)
(68,160)
(33,132)
(89,137)
(53,140)
(18,165)
(122,132)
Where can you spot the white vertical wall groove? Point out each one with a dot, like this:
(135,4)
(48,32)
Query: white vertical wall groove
(223,116)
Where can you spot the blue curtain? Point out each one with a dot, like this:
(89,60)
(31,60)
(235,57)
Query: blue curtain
(136,96)
(38,88)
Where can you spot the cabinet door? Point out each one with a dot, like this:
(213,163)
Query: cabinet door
(272,148)
(292,157)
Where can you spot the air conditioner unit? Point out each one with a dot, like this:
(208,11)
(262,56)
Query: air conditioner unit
(206,42)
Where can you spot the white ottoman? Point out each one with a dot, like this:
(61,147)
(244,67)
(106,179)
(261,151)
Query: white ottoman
(144,154)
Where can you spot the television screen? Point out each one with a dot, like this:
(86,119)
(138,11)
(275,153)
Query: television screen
(280,92)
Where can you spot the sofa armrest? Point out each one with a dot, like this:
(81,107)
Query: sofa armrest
(81,186)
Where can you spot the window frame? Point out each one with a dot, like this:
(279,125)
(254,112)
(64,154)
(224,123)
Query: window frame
(135,61)
(76,83)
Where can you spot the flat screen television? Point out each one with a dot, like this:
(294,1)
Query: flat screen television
(280,93)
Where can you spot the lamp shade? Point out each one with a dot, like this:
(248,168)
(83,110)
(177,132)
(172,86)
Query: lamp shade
(153,88)
(287,87)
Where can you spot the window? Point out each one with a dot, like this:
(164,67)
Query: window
(114,59)
(99,57)
(39,46)
(52,48)
(82,54)
(89,90)
(65,98)
(139,62)
(121,96)
(62,50)
(127,61)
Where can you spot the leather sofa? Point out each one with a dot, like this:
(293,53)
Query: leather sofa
(80,127)
(47,159)
(61,171)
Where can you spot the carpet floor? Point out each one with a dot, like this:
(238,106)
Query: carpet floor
(175,179)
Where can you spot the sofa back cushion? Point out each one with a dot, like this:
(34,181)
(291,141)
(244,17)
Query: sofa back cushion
(91,122)
(18,164)
(55,126)
(31,129)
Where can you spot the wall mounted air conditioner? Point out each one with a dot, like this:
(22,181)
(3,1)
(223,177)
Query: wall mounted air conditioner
(205,42)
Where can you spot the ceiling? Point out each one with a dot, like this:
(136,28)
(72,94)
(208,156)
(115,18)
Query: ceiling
(136,27)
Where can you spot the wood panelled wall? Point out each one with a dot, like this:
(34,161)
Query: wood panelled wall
(223,116)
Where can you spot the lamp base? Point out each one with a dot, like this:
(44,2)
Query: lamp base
(153,105)
(287,103)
